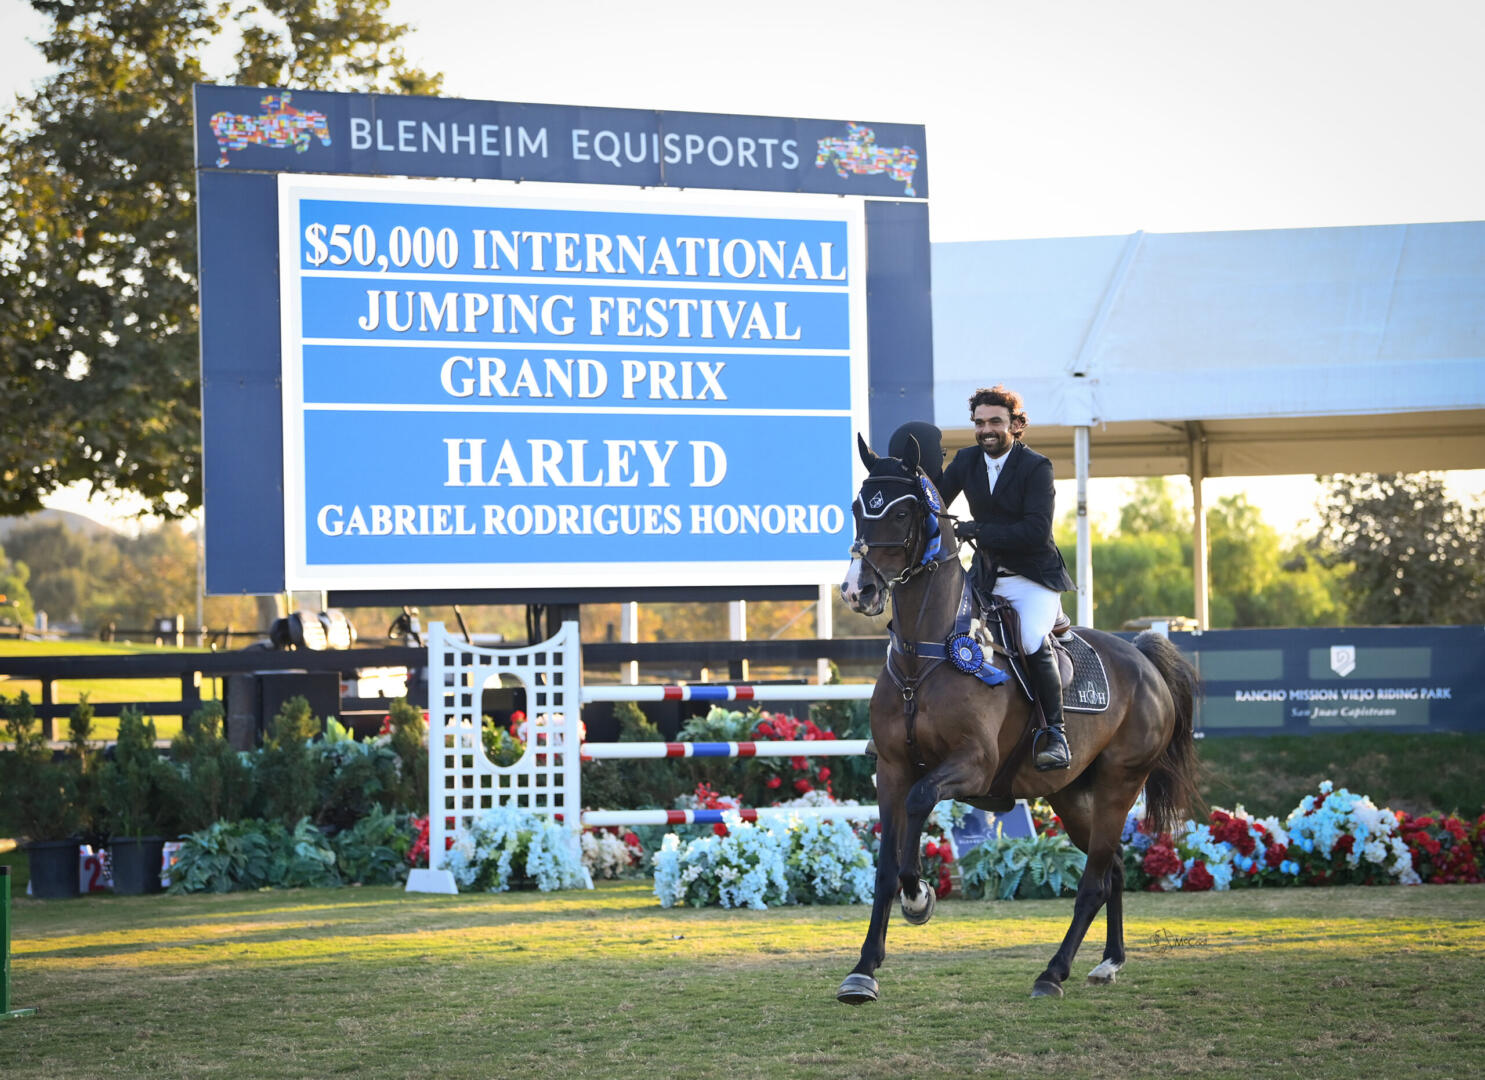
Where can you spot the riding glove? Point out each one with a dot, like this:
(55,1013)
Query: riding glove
(968,530)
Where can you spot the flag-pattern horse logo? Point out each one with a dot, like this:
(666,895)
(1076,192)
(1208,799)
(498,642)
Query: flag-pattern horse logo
(280,125)
(859,153)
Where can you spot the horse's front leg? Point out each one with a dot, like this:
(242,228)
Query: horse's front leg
(955,777)
(860,986)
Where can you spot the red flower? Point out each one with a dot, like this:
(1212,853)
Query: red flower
(774,782)
(801,764)
(946,853)
(719,829)
(630,839)
(1161,860)
(930,849)
(824,775)
(1344,845)
(1198,878)
(1276,854)
(803,786)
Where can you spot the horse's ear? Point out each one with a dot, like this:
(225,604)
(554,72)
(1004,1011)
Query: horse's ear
(868,456)
(912,453)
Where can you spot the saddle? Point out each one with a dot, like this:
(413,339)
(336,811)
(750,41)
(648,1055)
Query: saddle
(1000,630)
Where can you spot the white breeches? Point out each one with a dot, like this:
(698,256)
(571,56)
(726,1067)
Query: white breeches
(1036,604)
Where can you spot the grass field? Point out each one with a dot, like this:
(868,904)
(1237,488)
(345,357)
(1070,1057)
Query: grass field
(1340,982)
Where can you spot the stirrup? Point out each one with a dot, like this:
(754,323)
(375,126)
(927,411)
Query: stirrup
(1056,754)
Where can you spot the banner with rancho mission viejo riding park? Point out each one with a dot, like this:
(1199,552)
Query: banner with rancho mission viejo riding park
(495,384)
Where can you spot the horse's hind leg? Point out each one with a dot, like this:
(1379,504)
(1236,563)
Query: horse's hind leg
(860,986)
(1113,950)
(1107,808)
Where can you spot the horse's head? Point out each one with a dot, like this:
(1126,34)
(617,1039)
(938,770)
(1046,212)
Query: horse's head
(897,529)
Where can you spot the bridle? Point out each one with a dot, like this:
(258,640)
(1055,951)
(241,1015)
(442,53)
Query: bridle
(931,539)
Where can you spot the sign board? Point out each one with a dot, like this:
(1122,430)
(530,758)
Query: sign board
(1399,678)
(645,370)
(566,390)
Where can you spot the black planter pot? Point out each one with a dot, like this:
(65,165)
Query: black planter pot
(54,869)
(136,863)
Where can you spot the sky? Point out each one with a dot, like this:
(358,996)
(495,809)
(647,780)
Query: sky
(1067,118)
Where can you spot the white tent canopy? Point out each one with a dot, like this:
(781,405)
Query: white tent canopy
(1223,354)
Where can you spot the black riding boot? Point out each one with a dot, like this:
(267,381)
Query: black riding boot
(1051,743)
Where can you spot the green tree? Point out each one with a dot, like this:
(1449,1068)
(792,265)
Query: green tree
(97,227)
(1411,551)
(16,607)
(70,571)
(1257,581)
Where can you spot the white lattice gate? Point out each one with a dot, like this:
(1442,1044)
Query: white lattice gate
(462,782)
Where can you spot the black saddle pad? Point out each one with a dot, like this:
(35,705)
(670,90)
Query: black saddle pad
(1089,690)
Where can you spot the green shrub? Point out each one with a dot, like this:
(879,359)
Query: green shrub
(410,744)
(42,792)
(374,850)
(638,784)
(1029,867)
(86,763)
(355,778)
(135,785)
(288,769)
(211,781)
(254,854)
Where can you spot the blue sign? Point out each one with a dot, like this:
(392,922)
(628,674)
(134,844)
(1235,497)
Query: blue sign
(303,131)
(597,350)
(1295,682)
(531,390)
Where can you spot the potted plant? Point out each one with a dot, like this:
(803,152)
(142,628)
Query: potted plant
(132,785)
(42,794)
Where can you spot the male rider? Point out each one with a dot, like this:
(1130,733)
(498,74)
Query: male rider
(1009,490)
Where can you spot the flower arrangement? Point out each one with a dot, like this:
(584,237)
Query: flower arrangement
(743,868)
(1333,838)
(1444,849)
(827,862)
(417,855)
(795,860)
(788,777)
(1345,839)
(505,846)
(607,854)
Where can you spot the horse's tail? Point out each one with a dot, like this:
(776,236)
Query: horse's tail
(1172,786)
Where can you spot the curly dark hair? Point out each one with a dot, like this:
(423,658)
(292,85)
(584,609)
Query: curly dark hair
(998,395)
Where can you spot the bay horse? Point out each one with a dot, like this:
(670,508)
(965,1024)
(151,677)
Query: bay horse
(943,734)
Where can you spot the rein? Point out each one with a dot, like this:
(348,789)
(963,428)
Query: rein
(959,648)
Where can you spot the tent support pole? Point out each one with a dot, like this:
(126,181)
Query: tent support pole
(1085,551)
(1198,446)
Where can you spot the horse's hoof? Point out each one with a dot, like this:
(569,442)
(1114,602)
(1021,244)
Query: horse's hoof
(921,909)
(858,989)
(1042,988)
(1104,973)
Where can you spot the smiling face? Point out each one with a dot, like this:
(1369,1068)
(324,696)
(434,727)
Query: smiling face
(995,431)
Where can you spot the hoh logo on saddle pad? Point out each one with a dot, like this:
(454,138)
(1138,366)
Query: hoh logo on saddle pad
(1343,659)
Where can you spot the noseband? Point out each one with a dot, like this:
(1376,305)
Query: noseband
(930,510)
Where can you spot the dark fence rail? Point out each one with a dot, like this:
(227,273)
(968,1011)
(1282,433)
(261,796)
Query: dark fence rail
(1255,682)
